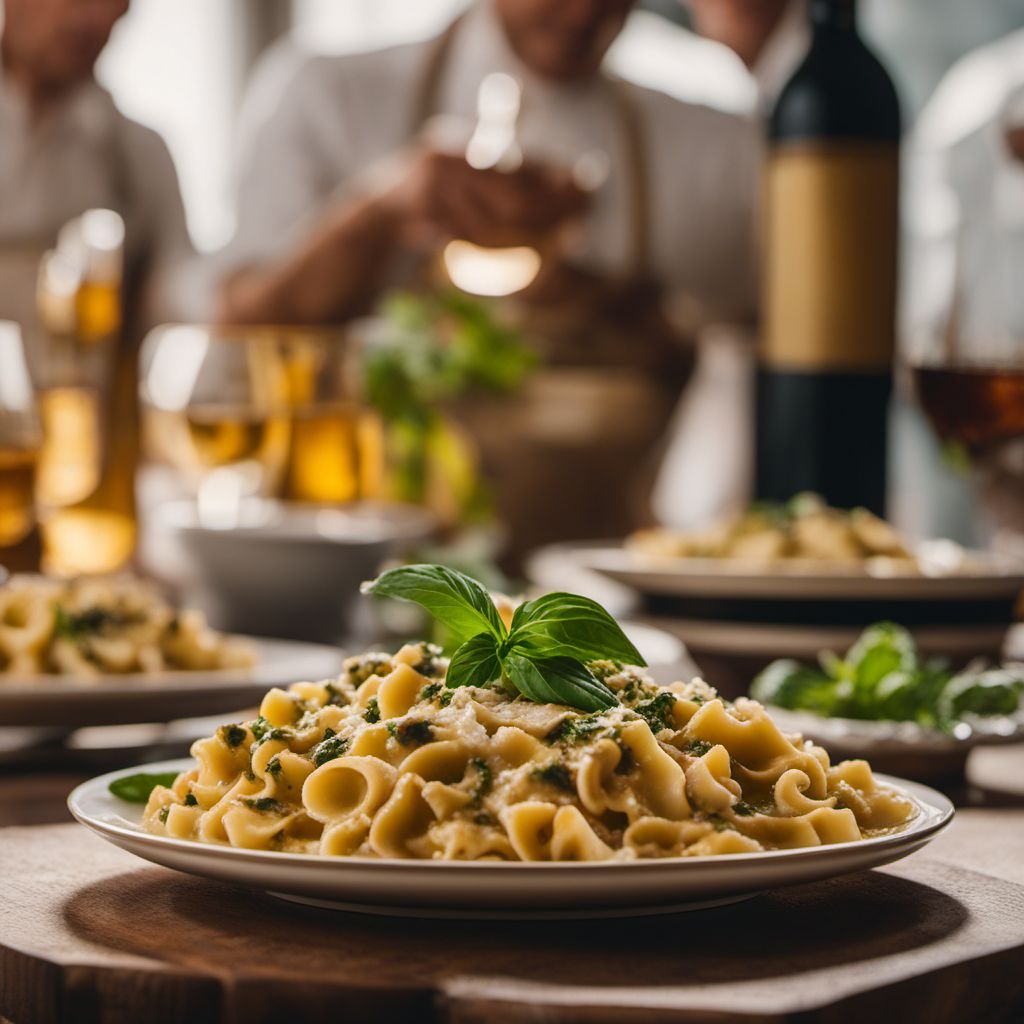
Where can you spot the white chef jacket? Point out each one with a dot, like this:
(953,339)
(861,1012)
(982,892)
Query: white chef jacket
(314,125)
(81,153)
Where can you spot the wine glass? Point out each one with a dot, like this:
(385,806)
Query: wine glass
(217,403)
(335,449)
(968,360)
(20,441)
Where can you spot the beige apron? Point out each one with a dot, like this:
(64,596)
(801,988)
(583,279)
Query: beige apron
(574,453)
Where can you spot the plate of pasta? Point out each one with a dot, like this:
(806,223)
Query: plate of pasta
(114,651)
(802,549)
(509,781)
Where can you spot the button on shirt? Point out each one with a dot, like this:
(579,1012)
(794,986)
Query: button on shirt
(315,127)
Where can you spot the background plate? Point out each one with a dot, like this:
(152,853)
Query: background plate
(66,702)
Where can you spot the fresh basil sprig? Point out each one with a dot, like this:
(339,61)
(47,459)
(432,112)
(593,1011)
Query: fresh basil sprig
(135,789)
(543,654)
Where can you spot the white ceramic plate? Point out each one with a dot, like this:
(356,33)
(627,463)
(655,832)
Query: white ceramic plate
(872,739)
(67,702)
(979,576)
(502,890)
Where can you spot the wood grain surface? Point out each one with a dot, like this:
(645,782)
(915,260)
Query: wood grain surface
(90,934)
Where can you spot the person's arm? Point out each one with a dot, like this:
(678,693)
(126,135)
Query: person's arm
(339,265)
(331,276)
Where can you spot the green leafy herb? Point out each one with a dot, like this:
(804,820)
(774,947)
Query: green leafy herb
(571,625)
(697,748)
(575,729)
(330,747)
(336,696)
(743,809)
(430,691)
(232,735)
(360,667)
(559,680)
(265,803)
(274,766)
(657,711)
(88,623)
(456,601)
(372,712)
(881,677)
(135,789)
(409,732)
(554,774)
(164,813)
(543,656)
(476,662)
(190,800)
(485,779)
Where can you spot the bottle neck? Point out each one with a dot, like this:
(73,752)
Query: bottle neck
(834,16)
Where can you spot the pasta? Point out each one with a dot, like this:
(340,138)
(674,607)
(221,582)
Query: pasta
(805,529)
(386,761)
(92,627)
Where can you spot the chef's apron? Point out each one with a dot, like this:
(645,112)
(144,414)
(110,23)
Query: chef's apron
(573,453)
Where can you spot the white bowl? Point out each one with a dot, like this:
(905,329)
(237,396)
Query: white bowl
(278,569)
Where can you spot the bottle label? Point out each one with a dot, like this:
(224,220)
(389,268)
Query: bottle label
(831,238)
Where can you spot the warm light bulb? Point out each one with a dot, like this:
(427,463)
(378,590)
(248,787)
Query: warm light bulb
(491,272)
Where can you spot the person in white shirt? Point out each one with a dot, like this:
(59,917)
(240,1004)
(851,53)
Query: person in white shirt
(66,148)
(344,192)
(337,175)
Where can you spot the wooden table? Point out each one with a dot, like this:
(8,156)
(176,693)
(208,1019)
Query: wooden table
(91,935)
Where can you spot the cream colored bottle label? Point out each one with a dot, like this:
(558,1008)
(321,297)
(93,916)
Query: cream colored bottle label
(831,233)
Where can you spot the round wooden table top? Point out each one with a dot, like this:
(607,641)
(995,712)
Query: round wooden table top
(91,934)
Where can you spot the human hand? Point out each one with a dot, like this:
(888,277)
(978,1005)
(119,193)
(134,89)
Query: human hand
(441,196)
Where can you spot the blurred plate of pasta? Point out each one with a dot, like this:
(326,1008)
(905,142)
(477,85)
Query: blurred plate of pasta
(70,702)
(494,889)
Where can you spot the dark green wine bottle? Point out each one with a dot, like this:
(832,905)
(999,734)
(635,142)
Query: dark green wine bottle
(829,291)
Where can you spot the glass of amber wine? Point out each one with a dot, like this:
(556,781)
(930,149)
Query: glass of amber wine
(335,450)
(20,441)
(217,405)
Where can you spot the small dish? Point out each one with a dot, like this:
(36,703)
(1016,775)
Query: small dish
(278,569)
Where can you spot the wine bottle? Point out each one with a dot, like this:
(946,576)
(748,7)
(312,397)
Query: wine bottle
(829,287)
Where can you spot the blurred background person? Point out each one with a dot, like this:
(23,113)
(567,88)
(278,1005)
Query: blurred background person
(66,148)
(347,189)
(964,308)
(92,234)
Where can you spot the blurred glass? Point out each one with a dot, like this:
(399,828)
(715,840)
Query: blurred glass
(85,483)
(217,409)
(968,356)
(335,452)
(20,440)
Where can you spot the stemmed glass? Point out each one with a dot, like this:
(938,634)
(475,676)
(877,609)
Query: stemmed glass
(217,402)
(968,363)
(20,442)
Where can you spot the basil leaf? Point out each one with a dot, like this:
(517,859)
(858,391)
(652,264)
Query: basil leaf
(559,680)
(475,662)
(135,789)
(455,600)
(571,625)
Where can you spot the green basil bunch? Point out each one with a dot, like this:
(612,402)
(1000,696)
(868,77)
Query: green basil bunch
(542,655)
